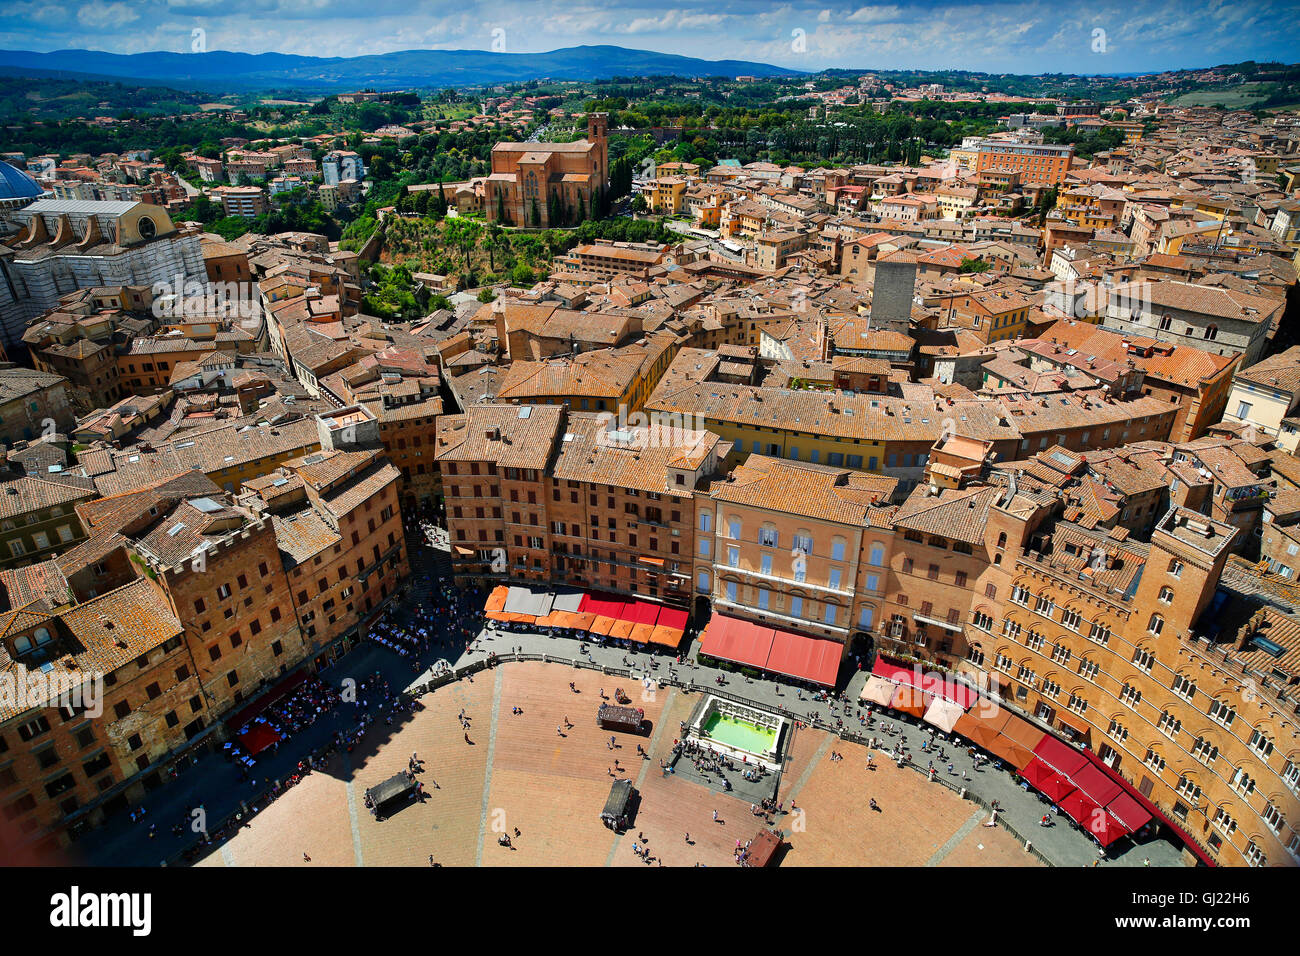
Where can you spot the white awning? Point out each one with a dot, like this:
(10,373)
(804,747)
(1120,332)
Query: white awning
(943,714)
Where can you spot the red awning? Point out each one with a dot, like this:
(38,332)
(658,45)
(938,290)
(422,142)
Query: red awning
(898,673)
(602,607)
(731,639)
(1060,756)
(949,690)
(1106,827)
(805,658)
(1047,781)
(258,737)
(1128,812)
(1099,787)
(242,717)
(934,684)
(1082,810)
(643,612)
(672,617)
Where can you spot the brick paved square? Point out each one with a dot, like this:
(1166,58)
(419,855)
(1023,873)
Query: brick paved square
(518,773)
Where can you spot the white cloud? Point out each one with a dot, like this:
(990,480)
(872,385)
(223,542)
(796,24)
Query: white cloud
(877,14)
(992,35)
(99,15)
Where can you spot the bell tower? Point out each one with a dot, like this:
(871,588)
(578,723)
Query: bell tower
(597,135)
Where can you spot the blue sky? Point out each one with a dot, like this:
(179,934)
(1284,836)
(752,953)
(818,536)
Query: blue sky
(1099,36)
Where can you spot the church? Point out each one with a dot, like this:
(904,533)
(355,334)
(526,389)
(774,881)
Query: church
(549,184)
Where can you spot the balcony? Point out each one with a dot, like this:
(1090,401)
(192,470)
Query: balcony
(720,600)
(718,567)
(955,626)
(1243,499)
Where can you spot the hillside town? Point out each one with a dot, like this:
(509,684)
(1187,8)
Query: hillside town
(1016,416)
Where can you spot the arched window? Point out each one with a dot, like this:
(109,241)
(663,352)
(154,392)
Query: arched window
(1156,624)
(1211,332)
(1002,540)
(42,636)
(768,536)
(1166,595)
(23,644)
(803,541)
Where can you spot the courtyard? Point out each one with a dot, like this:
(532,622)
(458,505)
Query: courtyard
(516,773)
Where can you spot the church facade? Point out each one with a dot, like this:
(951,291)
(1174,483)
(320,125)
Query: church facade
(549,184)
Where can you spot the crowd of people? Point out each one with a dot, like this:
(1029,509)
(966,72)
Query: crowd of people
(710,762)
(286,717)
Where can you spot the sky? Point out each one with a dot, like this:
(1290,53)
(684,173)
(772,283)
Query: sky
(998,36)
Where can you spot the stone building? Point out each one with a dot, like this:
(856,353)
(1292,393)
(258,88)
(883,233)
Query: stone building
(68,245)
(534,184)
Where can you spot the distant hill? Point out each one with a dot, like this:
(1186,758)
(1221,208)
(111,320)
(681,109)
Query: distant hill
(222,70)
